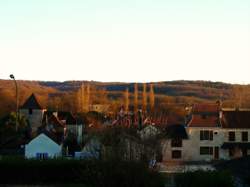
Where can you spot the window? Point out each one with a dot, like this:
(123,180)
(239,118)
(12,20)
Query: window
(176,142)
(176,154)
(30,111)
(206,135)
(244,136)
(206,150)
(42,156)
(231,136)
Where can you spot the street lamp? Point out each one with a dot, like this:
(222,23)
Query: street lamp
(17,112)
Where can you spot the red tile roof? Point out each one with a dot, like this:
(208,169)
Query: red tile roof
(206,108)
(204,121)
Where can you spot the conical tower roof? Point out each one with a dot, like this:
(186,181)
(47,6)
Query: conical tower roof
(31,103)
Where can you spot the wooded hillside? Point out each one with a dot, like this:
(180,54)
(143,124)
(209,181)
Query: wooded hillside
(65,95)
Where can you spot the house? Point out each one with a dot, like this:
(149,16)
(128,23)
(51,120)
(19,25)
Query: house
(198,140)
(212,134)
(33,111)
(61,123)
(236,129)
(43,146)
(52,124)
(205,132)
(175,142)
(73,125)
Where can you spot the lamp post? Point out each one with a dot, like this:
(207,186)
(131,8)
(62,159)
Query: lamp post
(17,112)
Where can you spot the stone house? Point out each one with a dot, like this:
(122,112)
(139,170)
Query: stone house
(33,111)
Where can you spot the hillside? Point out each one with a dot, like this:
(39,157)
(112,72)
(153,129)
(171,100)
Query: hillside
(167,93)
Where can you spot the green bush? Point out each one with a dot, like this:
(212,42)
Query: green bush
(204,179)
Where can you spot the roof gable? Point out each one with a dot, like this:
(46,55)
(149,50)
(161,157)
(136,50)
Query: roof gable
(31,103)
(44,139)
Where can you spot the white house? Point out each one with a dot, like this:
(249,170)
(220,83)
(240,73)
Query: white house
(43,146)
(236,129)
(212,134)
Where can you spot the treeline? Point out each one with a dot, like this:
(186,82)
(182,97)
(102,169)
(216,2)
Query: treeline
(69,95)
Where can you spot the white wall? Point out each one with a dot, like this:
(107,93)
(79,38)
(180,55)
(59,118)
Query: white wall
(238,139)
(191,147)
(42,144)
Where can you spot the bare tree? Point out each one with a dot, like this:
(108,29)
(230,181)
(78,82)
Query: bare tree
(87,100)
(135,97)
(126,100)
(144,97)
(152,97)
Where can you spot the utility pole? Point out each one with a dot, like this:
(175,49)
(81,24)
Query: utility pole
(17,98)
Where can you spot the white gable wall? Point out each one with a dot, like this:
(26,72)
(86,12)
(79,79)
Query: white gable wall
(42,144)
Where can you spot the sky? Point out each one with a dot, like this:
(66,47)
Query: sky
(125,40)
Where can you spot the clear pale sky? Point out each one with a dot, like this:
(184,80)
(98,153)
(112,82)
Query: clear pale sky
(129,40)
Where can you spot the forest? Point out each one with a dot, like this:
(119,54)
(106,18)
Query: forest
(77,96)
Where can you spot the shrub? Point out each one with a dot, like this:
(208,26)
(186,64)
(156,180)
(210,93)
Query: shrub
(91,173)
(204,179)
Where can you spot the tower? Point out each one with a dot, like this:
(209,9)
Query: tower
(33,111)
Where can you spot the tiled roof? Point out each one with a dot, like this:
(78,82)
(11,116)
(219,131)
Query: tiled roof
(204,121)
(236,119)
(206,108)
(31,103)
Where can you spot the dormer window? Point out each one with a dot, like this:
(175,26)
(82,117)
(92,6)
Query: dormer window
(30,111)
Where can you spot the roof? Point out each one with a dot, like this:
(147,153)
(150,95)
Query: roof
(176,131)
(229,145)
(70,119)
(61,116)
(31,103)
(51,135)
(204,121)
(236,119)
(55,121)
(206,108)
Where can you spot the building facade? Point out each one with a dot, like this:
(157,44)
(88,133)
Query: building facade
(211,134)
